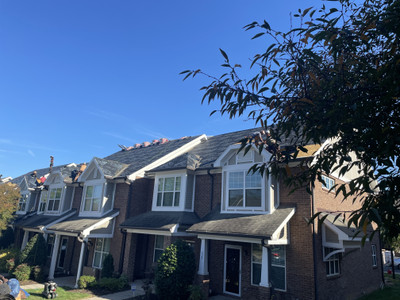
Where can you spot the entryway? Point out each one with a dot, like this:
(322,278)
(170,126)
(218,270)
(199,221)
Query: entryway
(232,270)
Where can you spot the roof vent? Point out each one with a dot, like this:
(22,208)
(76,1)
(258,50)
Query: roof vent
(146,144)
(163,141)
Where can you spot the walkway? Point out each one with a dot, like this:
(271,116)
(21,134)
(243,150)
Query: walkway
(70,282)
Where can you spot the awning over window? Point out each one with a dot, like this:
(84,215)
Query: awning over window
(271,228)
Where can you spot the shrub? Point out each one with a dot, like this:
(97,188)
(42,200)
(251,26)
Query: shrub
(22,272)
(108,267)
(196,293)
(114,284)
(6,238)
(7,254)
(10,265)
(35,252)
(175,271)
(38,274)
(86,281)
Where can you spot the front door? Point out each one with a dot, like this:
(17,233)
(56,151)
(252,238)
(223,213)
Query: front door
(62,252)
(232,270)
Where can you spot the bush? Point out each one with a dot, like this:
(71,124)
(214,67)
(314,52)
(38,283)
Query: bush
(38,274)
(108,267)
(5,255)
(175,271)
(86,281)
(22,272)
(114,284)
(196,293)
(35,252)
(10,265)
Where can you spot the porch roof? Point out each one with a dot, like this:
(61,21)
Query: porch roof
(243,225)
(76,224)
(161,220)
(36,221)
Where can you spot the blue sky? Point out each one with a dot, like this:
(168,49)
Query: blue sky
(77,78)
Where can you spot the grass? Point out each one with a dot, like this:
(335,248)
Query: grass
(390,292)
(63,293)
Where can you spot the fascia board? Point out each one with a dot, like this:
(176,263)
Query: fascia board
(229,238)
(182,150)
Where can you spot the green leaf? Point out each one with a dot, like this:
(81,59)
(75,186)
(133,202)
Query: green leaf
(224,54)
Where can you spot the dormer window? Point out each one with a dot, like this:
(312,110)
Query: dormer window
(169,191)
(22,203)
(93,196)
(173,192)
(54,199)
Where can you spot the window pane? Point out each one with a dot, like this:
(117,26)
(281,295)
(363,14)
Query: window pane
(97,191)
(51,204)
(52,194)
(278,256)
(169,184)
(87,204)
(177,195)
(178,184)
(257,253)
(99,244)
(96,204)
(159,198)
(97,259)
(235,180)
(253,197)
(278,277)
(58,194)
(160,184)
(253,180)
(256,273)
(106,247)
(89,191)
(159,243)
(157,254)
(168,197)
(56,204)
(236,198)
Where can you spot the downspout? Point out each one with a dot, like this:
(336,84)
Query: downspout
(128,207)
(314,242)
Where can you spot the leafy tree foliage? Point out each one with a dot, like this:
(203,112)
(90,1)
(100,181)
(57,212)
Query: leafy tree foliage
(35,251)
(108,267)
(175,271)
(9,195)
(6,238)
(336,76)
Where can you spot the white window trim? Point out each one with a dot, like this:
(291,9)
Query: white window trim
(51,187)
(334,255)
(23,194)
(84,213)
(265,193)
(182,196)
(374,257)
(103,253)
(42,193)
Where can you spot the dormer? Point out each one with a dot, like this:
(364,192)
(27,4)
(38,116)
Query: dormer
(99,187)
(25,201)
(173,191)
(244,192)
(56,197)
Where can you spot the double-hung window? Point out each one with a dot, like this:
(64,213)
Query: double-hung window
(23,200)
(93,198)
(158,247)
(168,191)
(244,190)
(54,199)
(102,248)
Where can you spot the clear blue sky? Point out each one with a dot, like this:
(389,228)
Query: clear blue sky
(79,77)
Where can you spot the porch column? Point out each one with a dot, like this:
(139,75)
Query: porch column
(78,273)
(54,256)
(25,239)
(203,261)
(264,268)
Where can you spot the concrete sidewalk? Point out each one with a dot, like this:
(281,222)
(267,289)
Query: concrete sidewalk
(70,282)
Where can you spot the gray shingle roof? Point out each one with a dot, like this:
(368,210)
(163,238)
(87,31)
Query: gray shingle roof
(343,226)
(255,226)
(160,220)
(30,179)
(36,221)
(138,158)
(111,168)
(77,224)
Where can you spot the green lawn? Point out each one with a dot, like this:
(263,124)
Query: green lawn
(63,293)
(390,292)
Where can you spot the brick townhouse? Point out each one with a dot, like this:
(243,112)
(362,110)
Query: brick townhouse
(250,235)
